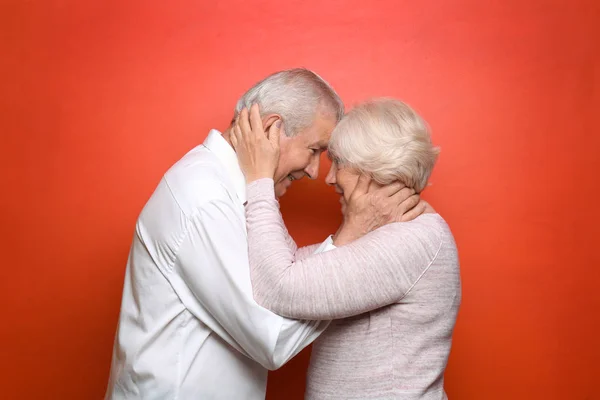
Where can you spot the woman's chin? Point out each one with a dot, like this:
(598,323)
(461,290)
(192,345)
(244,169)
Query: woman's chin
(343,203)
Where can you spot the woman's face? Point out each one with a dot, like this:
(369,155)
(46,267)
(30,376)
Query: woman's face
(344,180)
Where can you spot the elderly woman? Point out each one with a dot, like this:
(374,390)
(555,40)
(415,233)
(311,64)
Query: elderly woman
(393,294)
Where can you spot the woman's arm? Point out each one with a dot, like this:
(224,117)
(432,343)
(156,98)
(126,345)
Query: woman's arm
(306,251)
(371,272)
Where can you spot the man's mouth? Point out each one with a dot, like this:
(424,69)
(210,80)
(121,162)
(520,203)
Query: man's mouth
(291,178)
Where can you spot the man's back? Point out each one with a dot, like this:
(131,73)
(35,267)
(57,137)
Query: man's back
(189,327)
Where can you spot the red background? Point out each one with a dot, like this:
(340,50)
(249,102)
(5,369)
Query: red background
(99,98)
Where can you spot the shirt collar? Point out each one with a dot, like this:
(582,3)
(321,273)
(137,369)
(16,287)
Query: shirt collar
(225,153)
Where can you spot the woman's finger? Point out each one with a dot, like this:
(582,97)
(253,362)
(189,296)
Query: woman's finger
(255,120)
(234,138)
(275,134)
(237,132)
(244,123)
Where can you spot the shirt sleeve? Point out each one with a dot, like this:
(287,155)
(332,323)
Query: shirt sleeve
(212,277)
(369,273)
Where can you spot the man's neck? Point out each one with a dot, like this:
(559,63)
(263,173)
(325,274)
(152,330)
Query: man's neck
(227,136)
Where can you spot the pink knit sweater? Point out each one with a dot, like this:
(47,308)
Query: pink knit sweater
(393,295)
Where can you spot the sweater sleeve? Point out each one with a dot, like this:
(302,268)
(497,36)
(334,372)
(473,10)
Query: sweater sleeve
(374,271)
(306,251)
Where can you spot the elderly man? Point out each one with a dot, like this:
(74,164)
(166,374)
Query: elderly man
(189,327)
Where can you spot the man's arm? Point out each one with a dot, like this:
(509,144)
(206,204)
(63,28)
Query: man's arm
(211,275)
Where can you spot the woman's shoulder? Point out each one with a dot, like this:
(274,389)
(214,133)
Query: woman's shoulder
(428,231)
(430,225)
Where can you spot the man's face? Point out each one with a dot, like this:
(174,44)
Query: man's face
(300,154)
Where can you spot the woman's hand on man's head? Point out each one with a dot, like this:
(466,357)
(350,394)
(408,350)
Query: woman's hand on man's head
(257,150)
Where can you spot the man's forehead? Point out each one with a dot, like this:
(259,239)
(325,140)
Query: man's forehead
(325,136)
(319,133)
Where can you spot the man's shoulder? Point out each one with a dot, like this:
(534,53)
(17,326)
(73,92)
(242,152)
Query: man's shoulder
(188,187)
(198,178)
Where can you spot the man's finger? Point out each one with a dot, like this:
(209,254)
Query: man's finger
(373,186)
(428,208)
(362,186)
(392,188)
(409,203)
(401,195)
(414,212)
(255,120)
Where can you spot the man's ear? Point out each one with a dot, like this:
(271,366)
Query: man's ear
(269,120)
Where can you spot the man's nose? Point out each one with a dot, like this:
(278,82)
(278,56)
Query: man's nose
(312,170)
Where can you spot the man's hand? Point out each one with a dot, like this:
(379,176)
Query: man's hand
(371,206)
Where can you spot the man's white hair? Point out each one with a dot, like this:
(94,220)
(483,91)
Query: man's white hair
(386,139)
(297,95)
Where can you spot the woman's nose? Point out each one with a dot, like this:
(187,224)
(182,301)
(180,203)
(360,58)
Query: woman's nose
(330,178)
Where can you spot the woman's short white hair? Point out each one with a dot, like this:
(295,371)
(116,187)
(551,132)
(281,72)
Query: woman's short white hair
(297,95)
(386,139)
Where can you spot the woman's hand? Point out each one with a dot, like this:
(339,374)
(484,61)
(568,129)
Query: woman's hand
(371,206)
(257,152)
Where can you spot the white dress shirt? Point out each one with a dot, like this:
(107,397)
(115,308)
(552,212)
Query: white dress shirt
(189,327)
(326,245)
